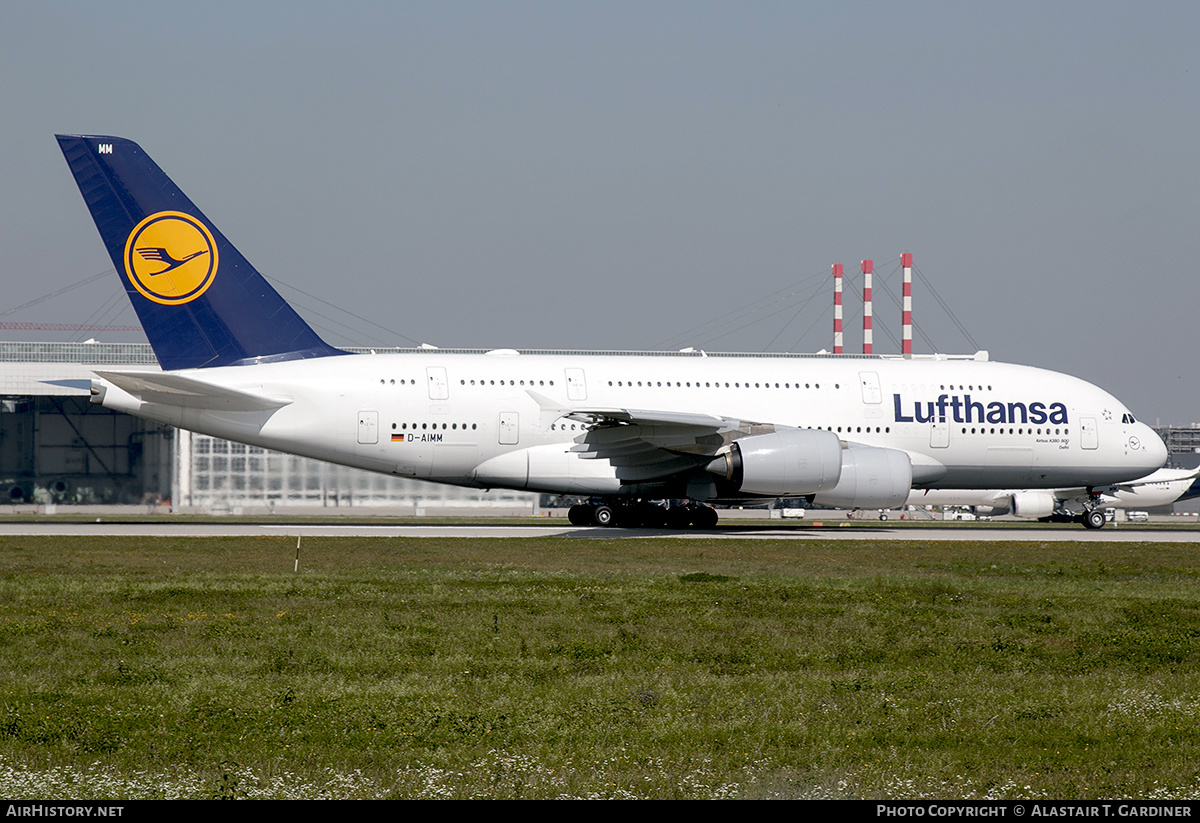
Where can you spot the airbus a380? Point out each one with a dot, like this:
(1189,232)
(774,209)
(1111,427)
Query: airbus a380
(626,430)
(1083,504)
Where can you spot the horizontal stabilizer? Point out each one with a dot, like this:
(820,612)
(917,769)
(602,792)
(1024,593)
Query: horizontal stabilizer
(177,390)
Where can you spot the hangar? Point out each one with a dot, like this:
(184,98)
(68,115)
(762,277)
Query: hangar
(59,449)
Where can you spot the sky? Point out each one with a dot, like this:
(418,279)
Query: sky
(642,175)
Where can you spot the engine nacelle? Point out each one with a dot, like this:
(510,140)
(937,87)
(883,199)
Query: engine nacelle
(1033,504)
(786,463)
(989,511)
(872,478)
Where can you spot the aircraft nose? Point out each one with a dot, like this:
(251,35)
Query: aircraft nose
(1153,450)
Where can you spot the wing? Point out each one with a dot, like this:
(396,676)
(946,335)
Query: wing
(644,444)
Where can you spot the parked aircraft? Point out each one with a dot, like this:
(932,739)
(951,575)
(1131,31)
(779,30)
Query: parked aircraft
(627,429)
(1081,504)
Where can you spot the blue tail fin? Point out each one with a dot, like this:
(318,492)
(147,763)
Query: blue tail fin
(200,302)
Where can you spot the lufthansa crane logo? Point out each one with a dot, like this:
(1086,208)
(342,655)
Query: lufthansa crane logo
(171,258)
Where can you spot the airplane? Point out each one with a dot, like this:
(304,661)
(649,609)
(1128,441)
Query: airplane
(1081,504)
(627,431)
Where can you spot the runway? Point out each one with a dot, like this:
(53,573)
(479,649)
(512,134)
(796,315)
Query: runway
(477,531)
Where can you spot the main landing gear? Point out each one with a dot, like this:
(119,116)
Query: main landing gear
(1089,518)
(642,514)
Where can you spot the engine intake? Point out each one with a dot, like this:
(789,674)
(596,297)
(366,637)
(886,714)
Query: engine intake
(1033,504)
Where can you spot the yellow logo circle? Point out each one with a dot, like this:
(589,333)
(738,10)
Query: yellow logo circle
(171,258)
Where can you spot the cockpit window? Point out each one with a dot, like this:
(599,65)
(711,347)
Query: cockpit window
(1127,418)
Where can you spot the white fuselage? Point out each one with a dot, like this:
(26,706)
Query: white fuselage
(460,417)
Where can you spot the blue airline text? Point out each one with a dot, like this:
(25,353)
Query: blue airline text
(965,410)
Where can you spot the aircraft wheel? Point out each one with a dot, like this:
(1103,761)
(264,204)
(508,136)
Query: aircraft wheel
(705,517)
(627,516)
(1094,519)
(603,515)
(650,516)
(579,515)
(678,517)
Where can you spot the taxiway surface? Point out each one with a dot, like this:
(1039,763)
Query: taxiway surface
(830,531)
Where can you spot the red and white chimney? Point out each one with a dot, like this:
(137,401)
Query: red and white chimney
(837,308)
(868,267)
(906,316)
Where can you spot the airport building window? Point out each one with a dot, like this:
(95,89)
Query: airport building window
(246,476)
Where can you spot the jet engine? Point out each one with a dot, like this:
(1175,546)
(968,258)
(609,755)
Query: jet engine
(784,463)
(872,478)
(1033,504)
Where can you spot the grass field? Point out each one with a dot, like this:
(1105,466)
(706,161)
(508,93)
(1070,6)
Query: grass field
(636,668)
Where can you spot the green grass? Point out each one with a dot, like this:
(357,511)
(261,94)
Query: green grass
(559,667)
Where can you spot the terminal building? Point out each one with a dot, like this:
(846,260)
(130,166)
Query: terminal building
(57,448)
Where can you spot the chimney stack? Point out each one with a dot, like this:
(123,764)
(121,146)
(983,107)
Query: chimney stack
(837,308)
(868,342)
(906,316)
